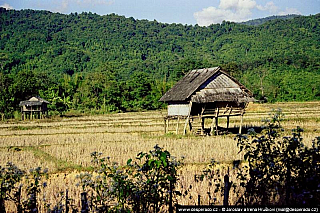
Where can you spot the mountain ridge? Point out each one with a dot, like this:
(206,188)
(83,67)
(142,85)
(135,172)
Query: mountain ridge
(276,59)
(259,21)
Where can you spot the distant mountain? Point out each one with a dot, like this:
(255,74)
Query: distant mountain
(64,57)
(256,22)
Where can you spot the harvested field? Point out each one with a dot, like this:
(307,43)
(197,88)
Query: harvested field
(63,145)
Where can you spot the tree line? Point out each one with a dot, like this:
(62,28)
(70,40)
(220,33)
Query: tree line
(112,63)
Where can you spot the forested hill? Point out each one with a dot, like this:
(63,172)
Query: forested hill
(259,21)
(87,61)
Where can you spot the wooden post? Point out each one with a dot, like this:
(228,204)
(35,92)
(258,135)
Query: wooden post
(168,119)
(19,207)
(227,186)
(165,125)
(228,118)
(240,128)
(202,125)
(202,119)
(185,125)
(217,121)
(84,203)
(170,198)
(211,127)
(188,120)
(177,128)
(67,202)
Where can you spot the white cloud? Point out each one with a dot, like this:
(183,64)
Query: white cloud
(230,10)
(237,11)
(211,15)
(290,11)
(237,4)
(7,6)
(274,10)
(270,6)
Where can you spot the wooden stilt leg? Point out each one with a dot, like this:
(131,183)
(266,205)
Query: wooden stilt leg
(185,125)
(165,125)
(217,125)
(228,119)
(217,121)
(211,128)
(177,128)
(202,126)
(240,128)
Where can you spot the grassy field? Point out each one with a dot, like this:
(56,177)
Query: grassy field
(63,145)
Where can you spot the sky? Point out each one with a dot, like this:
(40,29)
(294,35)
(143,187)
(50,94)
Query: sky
(191,12)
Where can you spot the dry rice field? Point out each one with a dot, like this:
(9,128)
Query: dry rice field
(63,145)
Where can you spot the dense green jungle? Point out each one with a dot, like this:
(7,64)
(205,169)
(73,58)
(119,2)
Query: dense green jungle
(92,63)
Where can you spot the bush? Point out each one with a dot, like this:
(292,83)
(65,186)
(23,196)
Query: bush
(146,185)
(281,170)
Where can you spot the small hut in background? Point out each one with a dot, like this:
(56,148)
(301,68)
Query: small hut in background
(35,107)
(202,94)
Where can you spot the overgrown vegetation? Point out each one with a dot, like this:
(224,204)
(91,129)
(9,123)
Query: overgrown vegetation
(90,63)
(278,170)
(281,170)
(145,185)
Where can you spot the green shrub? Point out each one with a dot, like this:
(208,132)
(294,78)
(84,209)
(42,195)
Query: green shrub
(281,170)
(144,185)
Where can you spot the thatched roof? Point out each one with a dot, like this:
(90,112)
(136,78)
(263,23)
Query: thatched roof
(34,101)
(207,85)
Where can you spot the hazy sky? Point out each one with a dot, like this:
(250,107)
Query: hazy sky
(202,12)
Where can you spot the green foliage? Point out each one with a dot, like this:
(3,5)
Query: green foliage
(212,176)
(145,185)
(10,176)
(88,62)
(157,175)
(281,170)
(34,186)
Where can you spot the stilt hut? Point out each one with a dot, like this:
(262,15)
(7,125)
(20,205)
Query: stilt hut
(202,94)
(35,107)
